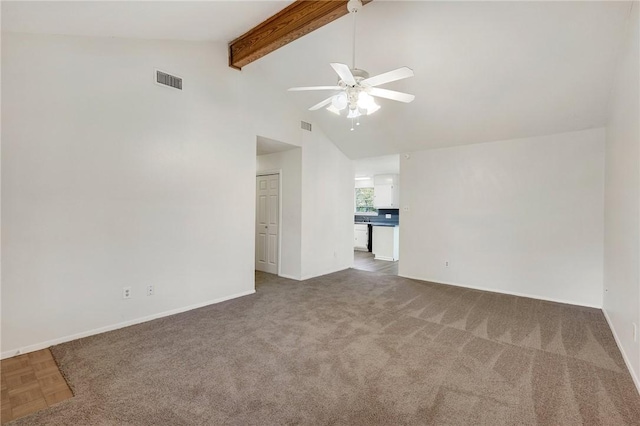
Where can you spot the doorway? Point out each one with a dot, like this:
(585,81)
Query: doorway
(267,222)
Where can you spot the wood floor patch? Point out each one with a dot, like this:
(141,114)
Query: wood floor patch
(366,261)
(30,383)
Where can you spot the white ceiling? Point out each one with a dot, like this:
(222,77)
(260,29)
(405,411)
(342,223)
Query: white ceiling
(165,20)
(484,70)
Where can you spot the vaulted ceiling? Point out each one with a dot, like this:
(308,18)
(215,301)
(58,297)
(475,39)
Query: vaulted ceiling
(159,20)
(484,71)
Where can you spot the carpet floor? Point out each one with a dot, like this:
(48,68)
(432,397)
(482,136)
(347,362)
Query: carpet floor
(352,348)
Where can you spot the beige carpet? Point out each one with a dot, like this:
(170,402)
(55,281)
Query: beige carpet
(352,348)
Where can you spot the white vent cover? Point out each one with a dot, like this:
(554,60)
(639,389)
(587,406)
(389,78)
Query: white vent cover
(168,80)
(305,126)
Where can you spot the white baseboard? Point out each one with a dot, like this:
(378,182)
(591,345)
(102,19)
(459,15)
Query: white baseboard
(635,378)
(387,258)
(636,381)
(289,277)
(308,277)
(327,272)
(48,343)
(512,293)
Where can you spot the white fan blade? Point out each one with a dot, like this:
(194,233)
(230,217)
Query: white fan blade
(391,94)
(344,72)
(388,77)
(321,104)
(300,89)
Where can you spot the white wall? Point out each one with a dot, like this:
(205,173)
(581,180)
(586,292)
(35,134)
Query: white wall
(327,206)
(364,183)
(109,180)
(519,216)
(622,201)
(266,111)
(290,163)
(317,206)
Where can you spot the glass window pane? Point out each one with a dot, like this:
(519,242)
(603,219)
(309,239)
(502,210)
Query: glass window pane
(364,200)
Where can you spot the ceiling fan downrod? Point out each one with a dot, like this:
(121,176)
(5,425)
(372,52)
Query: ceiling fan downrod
(354,7)
(356,89)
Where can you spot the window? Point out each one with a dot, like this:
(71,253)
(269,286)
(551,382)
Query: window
(364,200)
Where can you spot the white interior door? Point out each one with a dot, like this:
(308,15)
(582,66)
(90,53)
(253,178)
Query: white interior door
(267,226)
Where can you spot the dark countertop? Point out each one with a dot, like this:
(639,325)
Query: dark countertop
(377,223)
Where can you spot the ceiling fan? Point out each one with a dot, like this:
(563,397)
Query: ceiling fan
(355,89)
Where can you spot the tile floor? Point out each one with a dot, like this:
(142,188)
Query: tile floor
(30,382)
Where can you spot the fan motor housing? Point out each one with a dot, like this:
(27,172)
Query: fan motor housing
(360,73)
(358,76)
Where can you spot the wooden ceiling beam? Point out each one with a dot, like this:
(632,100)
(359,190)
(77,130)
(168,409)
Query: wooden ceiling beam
(299,18)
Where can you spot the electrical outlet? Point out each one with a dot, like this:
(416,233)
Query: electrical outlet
(151,290)
(405,209)
(126,292)
(446,263)
(387,216)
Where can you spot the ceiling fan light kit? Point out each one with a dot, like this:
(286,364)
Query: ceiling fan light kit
(356,90)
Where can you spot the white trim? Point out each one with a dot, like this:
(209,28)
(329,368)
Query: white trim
(386,258)
(48,343)
(636,380)
(269,173)
(512,293)
(289,277)
(327,272)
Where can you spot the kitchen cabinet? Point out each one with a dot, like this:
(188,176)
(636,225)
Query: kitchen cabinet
(386,191)
(386,242)
(361,235)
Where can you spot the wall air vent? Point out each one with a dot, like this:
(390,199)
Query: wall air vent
(168,80)
(306,126)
